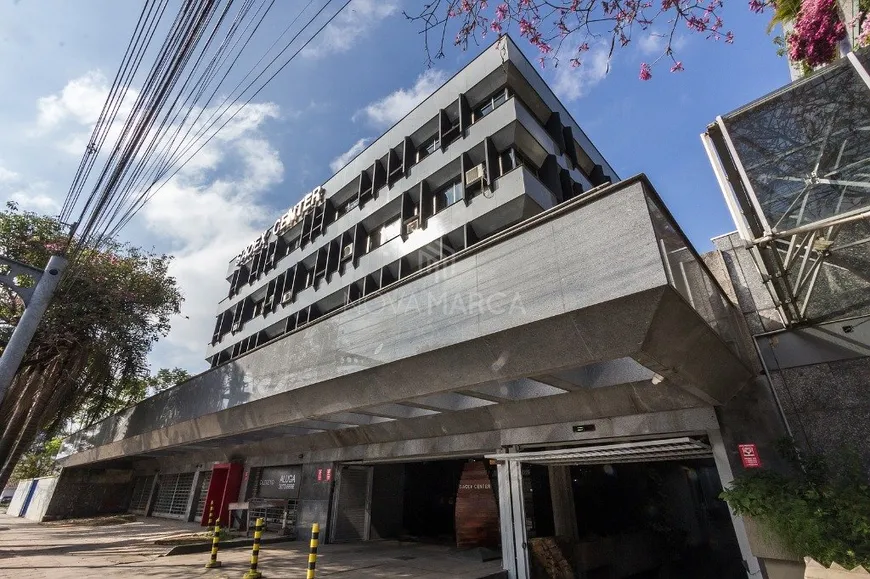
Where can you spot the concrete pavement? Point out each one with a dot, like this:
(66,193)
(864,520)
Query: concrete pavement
(63,551)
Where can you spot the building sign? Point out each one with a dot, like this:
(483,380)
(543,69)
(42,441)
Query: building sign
(324,474)
(749,455)
(280,482)
(285,222)
(583,427)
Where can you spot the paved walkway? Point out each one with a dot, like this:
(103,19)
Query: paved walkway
(58,551)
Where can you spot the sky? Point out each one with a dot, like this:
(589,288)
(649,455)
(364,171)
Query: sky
(358,78)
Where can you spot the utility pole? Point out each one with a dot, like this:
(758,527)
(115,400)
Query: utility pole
(36,300)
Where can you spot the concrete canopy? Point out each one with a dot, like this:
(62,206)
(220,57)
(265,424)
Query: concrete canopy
(570,314)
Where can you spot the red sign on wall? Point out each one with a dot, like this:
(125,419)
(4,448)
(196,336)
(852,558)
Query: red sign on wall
(749,455)
(328,474)
(319,475)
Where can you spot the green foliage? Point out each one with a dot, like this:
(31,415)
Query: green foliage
(90,352)
(39,461)
(785,11)
(821,510)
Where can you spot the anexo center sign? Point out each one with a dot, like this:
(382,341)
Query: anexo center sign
(285,222)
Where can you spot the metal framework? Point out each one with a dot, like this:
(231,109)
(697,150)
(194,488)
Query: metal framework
(794,167)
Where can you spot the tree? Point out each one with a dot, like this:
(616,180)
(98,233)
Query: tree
(39,461)
(111,307)
(564,30)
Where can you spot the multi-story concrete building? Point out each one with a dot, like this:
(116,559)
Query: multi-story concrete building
(486,151)
(476,331)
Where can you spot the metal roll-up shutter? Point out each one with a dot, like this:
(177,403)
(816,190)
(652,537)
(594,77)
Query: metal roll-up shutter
(172,494)
(141,493)
(641,451)
(204,481)
(351,516)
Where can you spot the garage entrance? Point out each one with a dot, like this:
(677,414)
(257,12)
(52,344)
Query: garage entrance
(641,510)
(450,502)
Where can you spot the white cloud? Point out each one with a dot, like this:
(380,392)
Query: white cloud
(7,176)
(352,24)
(655,44)
(80,101)
(37,202)
(652,44)
(390,109)
(571,83)
(203,216)
(348,155)
(209,219)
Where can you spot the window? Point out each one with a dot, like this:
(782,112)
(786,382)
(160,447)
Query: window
(347,206)
(490,104)
(507,160)
(293,244)
(447,195)
(530,166)
(390,230)
(427,148)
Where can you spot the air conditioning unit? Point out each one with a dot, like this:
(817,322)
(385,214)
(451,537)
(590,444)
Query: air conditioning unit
(412,225)
(347,251)
(287,296)
(237,326)
(475,174)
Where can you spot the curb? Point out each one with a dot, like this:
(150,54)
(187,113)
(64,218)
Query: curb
(231,544)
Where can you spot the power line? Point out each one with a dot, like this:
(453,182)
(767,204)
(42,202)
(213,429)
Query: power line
(172,118)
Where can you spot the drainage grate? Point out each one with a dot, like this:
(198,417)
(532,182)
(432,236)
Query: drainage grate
(405,557)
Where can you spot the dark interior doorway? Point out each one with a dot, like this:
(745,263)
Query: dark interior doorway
(429,500)
(654,520)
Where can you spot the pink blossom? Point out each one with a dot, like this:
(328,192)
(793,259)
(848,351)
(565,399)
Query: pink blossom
(757,6)
(501,12)
(817,31)
(864,38)
(678,66)
(526,27)
(645,73)
(496,27)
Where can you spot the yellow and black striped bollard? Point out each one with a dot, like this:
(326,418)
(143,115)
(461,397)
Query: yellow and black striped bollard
(211,514)
(312,554)
(255,552)
(213,561)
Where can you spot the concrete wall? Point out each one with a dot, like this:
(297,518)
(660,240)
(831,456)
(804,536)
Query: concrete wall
(18,498)
(827,405)
(39,501)
(314,500)
(89,492)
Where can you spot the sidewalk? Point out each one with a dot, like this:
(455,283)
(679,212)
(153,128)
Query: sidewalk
(31,550)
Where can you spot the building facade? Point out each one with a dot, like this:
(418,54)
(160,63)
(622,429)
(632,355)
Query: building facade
(474,311)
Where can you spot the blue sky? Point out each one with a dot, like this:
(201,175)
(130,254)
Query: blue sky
(365,73)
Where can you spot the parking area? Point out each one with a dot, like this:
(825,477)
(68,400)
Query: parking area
(78,551)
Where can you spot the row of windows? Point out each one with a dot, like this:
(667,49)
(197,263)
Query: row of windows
(312,228)
(300,276)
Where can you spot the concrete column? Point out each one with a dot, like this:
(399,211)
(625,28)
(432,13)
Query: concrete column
(562,496)
(720,457)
